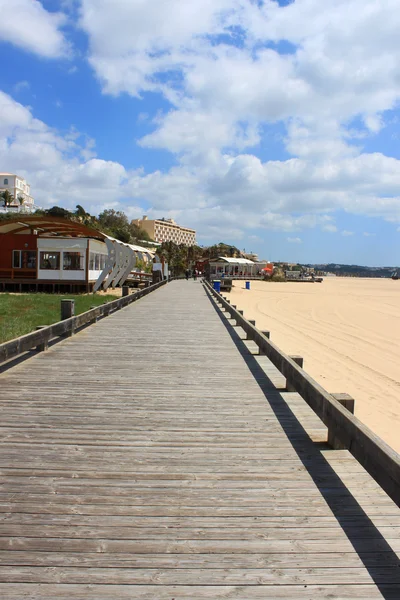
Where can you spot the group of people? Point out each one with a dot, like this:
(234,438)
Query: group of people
(195,273)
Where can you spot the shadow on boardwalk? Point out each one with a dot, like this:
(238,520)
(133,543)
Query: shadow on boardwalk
(381,562)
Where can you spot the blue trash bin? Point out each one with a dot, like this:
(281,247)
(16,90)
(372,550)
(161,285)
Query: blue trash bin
(247,285)
(217,285)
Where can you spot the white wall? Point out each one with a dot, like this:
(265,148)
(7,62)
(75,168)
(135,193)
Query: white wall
(59,245)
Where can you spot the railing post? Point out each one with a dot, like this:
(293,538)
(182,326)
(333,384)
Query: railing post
(45,345)
(252,322)
(96,318)
(68,311)
(345,400)
(348,402)
(267,335)
(125,290)
(299,361)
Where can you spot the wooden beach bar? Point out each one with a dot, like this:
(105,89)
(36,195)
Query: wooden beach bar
(51,254)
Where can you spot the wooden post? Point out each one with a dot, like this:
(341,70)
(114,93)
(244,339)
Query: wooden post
(45,345)
(345,400)
(95,318)
(348,402)
(68,311)
(125,290)
(299,361)
(267,335)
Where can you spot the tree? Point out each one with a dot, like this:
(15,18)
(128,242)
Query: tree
(116,223)
(80,211)
(57,211)
(21,200)
(7,198)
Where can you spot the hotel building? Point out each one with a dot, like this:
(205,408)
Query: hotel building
(18,188)
(166,230)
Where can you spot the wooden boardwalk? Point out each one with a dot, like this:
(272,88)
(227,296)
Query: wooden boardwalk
(152,456)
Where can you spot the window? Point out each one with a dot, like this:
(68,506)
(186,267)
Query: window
(24,259)
(16,259)
(73,261)
(91,261)
(50,260)
(97,262)
(6,182)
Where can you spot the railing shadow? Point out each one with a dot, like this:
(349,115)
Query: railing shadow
(378,557)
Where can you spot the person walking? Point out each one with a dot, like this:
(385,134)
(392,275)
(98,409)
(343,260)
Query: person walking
(187,273)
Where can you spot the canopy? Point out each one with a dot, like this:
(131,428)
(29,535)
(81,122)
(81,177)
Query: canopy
(233,261)
(48,226)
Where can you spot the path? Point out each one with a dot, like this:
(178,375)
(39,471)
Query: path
(150,457)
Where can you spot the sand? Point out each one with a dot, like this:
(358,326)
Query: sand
(347,330)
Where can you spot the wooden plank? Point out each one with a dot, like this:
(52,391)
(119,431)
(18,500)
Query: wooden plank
(202,577)
(27,591)
(333,560)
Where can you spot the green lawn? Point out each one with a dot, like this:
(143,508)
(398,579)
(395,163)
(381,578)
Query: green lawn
(21,313)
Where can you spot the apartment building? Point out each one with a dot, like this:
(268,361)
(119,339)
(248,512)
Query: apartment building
(166,230)
(18,187)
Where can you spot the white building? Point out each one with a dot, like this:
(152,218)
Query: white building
(18,188)
(166,230)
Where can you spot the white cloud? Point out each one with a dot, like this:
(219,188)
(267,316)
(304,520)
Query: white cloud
(346,233)
(215,63)
(368,234)
(330,228)
(52,163)
(20,86)
(26,24)
(344,64)
(222,192)
(294,240)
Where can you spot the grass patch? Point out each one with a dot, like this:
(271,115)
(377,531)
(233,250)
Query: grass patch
(22,313)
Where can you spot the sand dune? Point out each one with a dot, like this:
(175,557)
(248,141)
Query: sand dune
(347,330)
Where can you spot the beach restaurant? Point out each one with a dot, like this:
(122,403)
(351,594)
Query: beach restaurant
(52,254)
(225,266)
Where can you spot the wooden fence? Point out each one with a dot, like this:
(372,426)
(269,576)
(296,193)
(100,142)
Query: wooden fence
(40,339)
(345,430)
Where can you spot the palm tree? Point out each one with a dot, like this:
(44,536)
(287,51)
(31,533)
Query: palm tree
(7,198)
(21,200)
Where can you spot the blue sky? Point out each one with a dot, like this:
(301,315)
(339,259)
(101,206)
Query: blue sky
(274,126)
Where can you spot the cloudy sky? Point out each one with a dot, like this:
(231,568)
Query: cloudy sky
(274,126)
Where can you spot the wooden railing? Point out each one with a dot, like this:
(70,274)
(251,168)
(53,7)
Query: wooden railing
(41,338)
(345,430)
(21,273)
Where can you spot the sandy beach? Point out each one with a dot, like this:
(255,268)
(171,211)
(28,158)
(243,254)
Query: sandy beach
(347,330)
